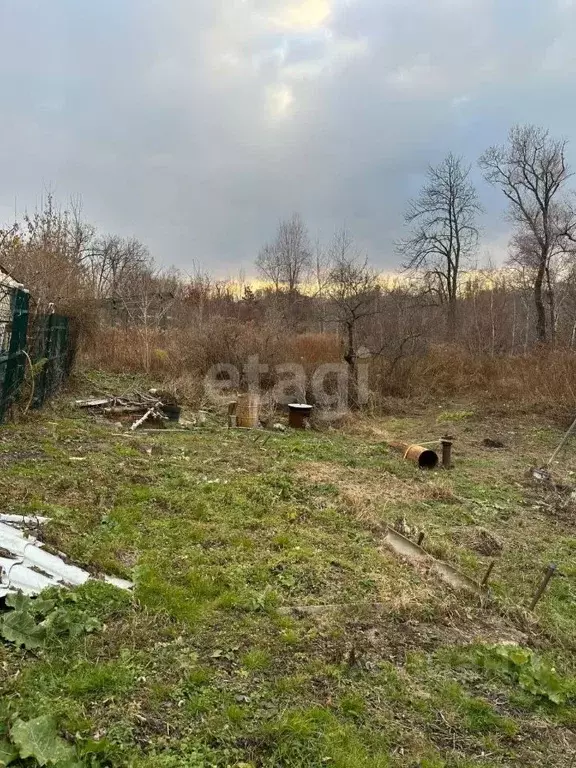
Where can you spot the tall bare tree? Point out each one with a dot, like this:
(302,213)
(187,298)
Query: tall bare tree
(526,255)
(148,306)
(444,233)
(532,172)
(47,251)
(269,266)
(353,289)
(321,266)
(114,263)
(286,261)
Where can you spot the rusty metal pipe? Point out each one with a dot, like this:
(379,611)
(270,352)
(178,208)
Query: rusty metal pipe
(447,453)
(424,457)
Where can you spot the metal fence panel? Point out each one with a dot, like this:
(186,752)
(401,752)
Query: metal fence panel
(51,352)
(48,344)
(13,334)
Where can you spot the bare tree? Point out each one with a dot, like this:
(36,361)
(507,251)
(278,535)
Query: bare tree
(321,275)
(269,265)
(81,233)
(352,289)
(47,251)
(294,247)
(444,233)
(9,241)
(286,260)
(532,172)
(113,265)
(8,236)
(526,255)
(148,306)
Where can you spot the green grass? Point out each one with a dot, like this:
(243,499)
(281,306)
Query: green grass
(207,665)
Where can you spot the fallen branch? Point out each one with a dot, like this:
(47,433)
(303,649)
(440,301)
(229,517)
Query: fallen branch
(122,410)
(144,418)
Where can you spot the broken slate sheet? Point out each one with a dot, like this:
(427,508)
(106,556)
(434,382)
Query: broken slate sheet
(25,566)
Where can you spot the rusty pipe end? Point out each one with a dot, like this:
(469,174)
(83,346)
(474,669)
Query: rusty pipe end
(424,457)
(428,460)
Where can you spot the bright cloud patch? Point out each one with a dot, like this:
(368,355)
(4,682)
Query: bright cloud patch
(307,14)
(197,124)
(280,99)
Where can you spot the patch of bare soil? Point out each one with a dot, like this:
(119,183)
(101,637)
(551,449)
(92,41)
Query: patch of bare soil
(371,633)
(11,457)
(480,540)
(367,493)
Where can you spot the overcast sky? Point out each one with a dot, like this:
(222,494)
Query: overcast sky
(196,124)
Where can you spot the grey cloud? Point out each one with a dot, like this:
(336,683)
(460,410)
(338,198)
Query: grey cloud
(196,125)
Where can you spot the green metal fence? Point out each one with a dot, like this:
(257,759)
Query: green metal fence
(46,343)
(51,353)
(14,305)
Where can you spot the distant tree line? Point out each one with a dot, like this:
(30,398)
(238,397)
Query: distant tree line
(439,295)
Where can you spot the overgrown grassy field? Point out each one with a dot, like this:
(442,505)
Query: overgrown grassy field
(216,659)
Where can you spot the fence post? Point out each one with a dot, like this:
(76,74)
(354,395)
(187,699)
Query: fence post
(43,383)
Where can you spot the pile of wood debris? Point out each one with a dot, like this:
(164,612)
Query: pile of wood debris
(154,408)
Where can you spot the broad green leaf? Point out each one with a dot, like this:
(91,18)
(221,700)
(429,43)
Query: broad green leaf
(519,656)
(65,620)
(18,600)
(20,628)
(39,739)
(94,747)
(41,606)
(528,683)
(62,622)
(8,753)
(557,697)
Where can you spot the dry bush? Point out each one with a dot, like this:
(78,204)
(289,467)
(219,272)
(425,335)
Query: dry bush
(120,351)
(313,349)
(544,378)
(197,350)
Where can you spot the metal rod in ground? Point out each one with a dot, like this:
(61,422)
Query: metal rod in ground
(550,571)
(488,573)
(562,443)
(421,536)
(447,453)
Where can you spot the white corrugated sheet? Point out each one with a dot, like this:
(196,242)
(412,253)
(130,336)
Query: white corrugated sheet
(26,567)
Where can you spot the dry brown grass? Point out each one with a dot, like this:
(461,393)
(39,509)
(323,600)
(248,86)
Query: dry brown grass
(366,492)
(314,348)
(196,350)
(372,495)
(543,379)
(436,490)
(544,376)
